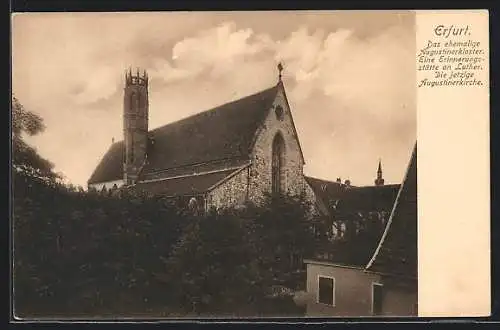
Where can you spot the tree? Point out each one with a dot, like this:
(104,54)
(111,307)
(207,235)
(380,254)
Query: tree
(92,254)
(25,158)
(284,234)
(361,232)
(211,270)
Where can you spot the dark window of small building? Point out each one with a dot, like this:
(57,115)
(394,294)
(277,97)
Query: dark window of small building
(326,290)
(377,296)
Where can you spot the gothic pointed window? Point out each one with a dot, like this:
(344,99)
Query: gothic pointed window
(278,165)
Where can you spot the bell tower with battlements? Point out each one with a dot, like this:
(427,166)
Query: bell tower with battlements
(135,124)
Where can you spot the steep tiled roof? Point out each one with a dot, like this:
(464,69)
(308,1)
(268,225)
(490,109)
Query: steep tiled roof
(324,190)
(397,250)
(111,166)
(369,198)
(224,132)
(186,185)
(354,199)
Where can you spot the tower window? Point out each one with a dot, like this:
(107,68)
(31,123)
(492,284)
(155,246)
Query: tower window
(278,162)
(138,101)
(133,99)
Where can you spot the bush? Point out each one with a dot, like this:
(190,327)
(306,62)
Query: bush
(85,254)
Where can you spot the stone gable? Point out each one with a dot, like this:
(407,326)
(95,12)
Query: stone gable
(261,157)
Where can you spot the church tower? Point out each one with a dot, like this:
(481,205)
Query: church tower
(379,181)
(135,124)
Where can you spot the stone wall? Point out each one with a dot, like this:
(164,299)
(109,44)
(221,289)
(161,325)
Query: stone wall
(261,170)
(231,193)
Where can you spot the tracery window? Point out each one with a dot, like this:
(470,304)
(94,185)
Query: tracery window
(278,165)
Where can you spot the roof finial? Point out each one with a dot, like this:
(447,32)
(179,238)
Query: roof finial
(113,139)
(280,70)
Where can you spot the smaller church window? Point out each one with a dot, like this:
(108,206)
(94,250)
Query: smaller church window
(279,112)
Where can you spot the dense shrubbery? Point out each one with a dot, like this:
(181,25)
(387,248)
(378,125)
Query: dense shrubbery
(86,253)
(78,252)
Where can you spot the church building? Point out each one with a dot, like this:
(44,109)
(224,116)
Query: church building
(223,157)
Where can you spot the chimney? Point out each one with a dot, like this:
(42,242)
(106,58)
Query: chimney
(339,180)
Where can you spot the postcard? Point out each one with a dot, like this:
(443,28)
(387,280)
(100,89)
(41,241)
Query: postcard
(258,164)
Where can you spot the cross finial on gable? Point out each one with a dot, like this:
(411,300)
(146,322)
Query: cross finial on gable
(280,69)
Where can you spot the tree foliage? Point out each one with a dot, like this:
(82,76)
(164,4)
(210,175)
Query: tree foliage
(25,158)
(361,232)
(88,253)
(79,252)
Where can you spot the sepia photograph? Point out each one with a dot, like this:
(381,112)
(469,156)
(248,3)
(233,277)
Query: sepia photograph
(214,165)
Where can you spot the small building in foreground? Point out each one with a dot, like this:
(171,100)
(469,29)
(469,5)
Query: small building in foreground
(385,285)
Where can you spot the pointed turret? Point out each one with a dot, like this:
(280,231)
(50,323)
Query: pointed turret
(379,181)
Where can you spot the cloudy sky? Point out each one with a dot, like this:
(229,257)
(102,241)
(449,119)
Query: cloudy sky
(349,76)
